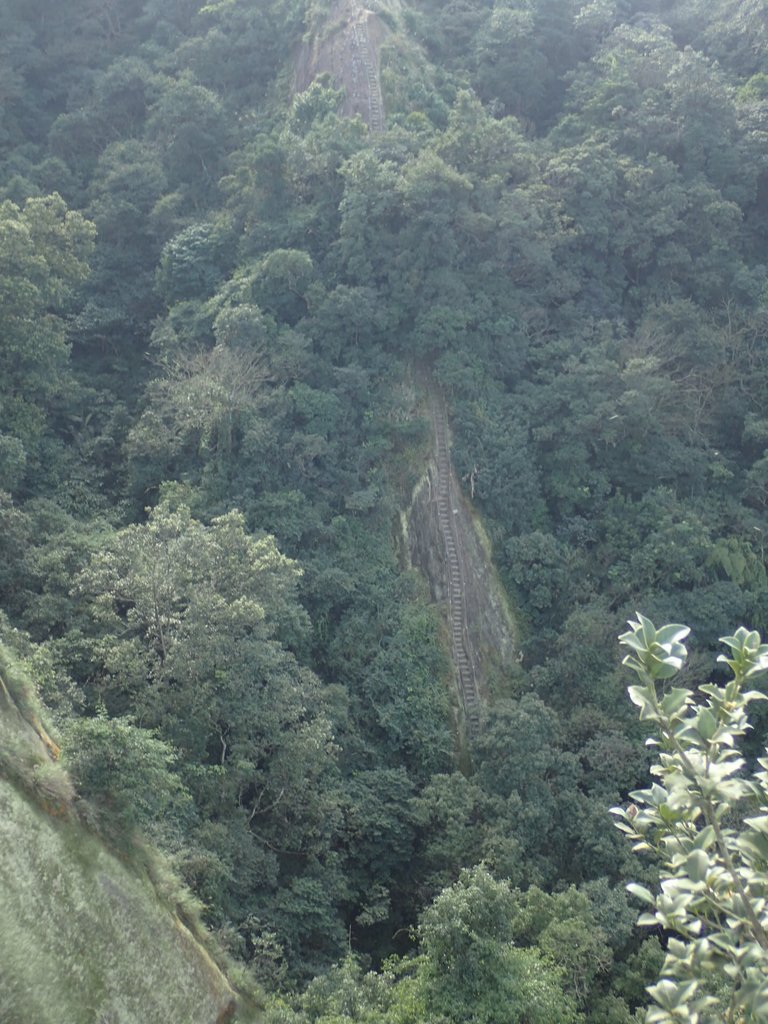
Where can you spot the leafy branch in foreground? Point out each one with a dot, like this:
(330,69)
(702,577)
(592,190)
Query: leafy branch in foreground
(706,819)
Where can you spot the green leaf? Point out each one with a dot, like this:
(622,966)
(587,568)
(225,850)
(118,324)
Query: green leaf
(668,814)
(705,838)
(647,629)
(634,641)
(643,894)
(674,700)
(667,668)
(672,634)
(666,993)
(753,846)
(647,921)
(697,865)
(645,698)
(706,724)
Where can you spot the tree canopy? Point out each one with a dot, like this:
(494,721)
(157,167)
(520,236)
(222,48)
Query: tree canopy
(226,313)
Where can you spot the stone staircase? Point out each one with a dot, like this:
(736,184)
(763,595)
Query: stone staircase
(461,648)
(362,47)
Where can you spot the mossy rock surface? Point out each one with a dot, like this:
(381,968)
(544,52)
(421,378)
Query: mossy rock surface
(84,939)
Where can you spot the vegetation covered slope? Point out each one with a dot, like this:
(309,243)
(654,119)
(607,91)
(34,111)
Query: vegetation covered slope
(216,298)
(84,936)
(84,939)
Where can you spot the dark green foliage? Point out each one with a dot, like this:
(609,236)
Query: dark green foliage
(187,125)
(44,249)
(190,265)
(562,228)
(129,775)
(472,970)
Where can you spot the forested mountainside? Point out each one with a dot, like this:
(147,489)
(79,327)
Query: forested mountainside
(363,369)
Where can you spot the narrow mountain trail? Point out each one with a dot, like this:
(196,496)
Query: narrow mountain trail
(361,58)
(346,46)
(446,515)
(443,537)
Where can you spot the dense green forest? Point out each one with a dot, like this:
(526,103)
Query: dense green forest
(220,301)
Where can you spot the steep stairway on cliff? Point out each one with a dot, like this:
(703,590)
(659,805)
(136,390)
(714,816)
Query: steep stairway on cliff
(462,655)
(363,47)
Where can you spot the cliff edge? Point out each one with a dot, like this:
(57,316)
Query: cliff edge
(444,538)
(346,46)
(84,937)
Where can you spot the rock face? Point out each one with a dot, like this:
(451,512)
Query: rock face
(347,49)
(444,539)
(84,938)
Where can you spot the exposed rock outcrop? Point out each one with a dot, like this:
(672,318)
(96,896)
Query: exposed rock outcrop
(347,49)
(445,540)
(83,936)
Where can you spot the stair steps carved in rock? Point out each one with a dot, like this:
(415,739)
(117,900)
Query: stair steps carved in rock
(445,513)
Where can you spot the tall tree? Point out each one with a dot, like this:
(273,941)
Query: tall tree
(44,250)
